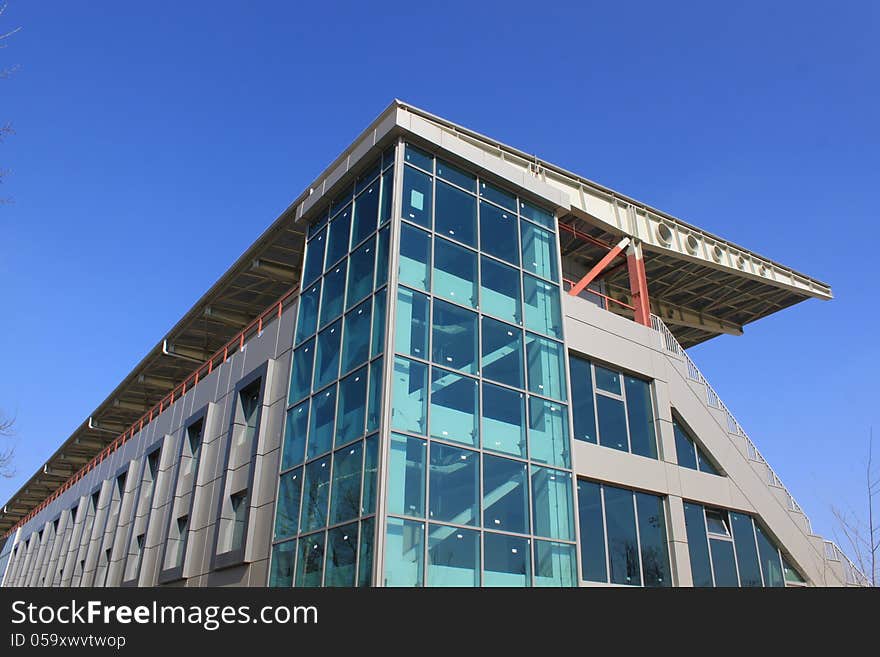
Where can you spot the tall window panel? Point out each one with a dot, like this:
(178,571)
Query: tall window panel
(184,488)
(730,549)
(324,515)
(480,488)
(242,442)
(140,523)
(623,536)
(612,409)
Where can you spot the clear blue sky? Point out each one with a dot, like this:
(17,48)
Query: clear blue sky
(155,142)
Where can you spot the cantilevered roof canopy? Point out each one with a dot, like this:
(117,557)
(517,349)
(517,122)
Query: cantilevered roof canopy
(700,284)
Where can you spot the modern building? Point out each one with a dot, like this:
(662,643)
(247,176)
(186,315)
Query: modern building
(447,363)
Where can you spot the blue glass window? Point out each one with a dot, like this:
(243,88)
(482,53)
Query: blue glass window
(454,407)
(723,563)
(356,344)
(382,257)
(746,550)
(548,433)
(379,311)
(552,504)
(504,420)
(652,539)
(499,291)
(327,355)
(684,447)
(454,337)
(411,336)
(367,178)
(505,199)
(454,485)
(316,493)
(374,396)
(310,565)
(404,552)
(505,494)
(582,407)
(314,265)
(407,475)
(417,197)
(612,423)
(698,547)
(770,564)
(455,273)
(546,367)
(502,357)
(295,431)
(334,293)
(607,380)
(352,408)
(365,560)
(339,232)
(366,213)
(287,515)
(387,196)
(321,422)
(640,413)
(307,323)
(341,200)
(456,214)
(453,556)
(542,307)
(301,371)
(592,528)
(409,396)
(623,545)
(456,176)
(342,548)
(345,501)
(360,273)
(498,233)
(415,257)
(555,564)
(507,560)
(539,251)
(283,556)
(371,461)
(537,215)
(419,158)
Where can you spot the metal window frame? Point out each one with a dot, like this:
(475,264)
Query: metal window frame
(238,556)
(151,449)
(167,575)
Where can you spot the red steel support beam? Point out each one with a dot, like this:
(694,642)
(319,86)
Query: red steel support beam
(591,275)
(638,284)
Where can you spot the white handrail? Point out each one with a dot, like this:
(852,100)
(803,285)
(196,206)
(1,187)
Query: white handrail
(669,342)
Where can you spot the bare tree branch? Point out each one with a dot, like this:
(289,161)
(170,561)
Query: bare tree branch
(5,73)
(862,535)
(6,455)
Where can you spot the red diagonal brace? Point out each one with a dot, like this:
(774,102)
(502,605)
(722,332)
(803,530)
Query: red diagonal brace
(582,284)
(638,285)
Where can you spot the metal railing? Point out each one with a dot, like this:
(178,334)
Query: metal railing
(852,572)
(595,297)
(832,552)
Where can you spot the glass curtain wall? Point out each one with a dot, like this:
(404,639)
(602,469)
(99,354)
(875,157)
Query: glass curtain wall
(326,502)
(479,488)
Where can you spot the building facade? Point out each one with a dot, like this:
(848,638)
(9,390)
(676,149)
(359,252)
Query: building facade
(475,375)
